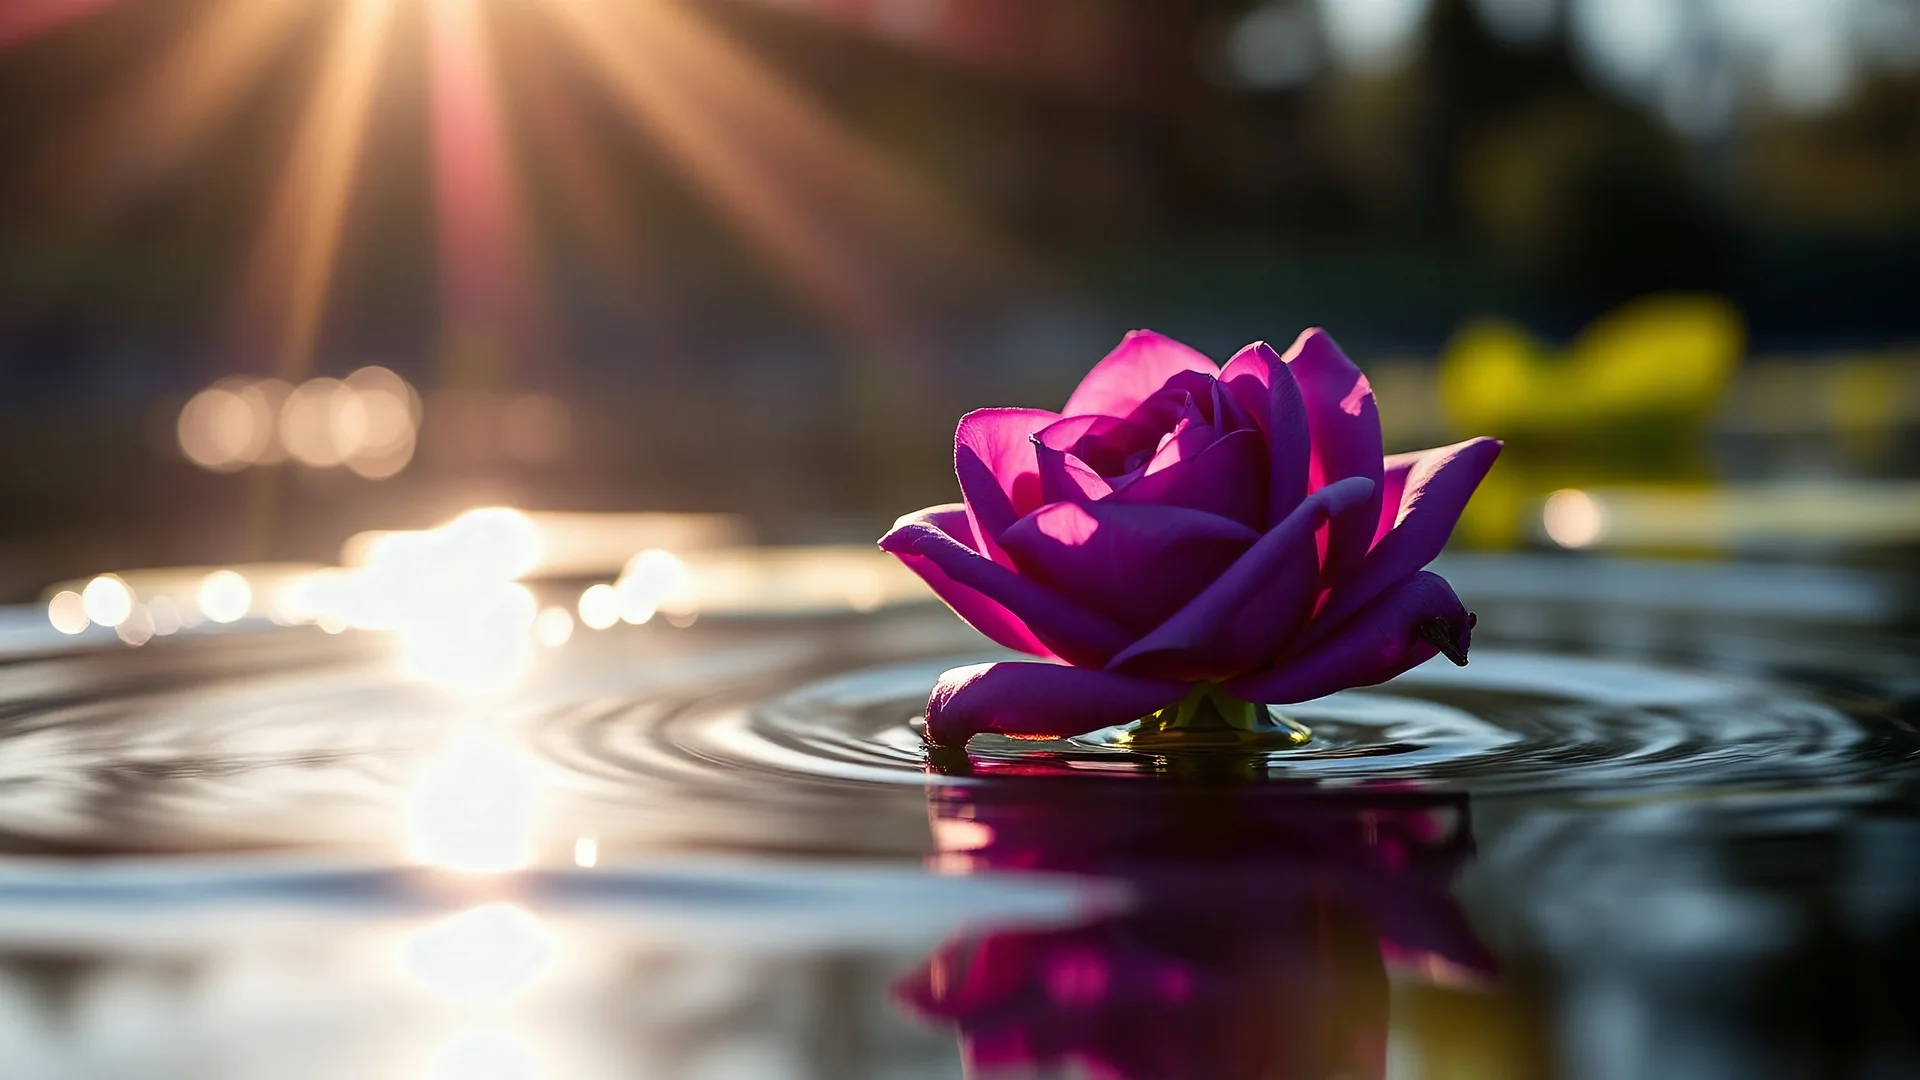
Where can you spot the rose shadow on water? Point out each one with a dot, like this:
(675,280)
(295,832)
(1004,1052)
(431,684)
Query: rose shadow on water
(1261,926)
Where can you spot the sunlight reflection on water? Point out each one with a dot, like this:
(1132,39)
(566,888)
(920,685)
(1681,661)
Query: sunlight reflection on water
(472,809)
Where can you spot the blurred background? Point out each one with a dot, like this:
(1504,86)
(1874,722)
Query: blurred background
(272,274)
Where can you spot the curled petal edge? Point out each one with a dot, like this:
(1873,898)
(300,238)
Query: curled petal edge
(1073,633)
(1393,634)
(1027,699)
(974,607)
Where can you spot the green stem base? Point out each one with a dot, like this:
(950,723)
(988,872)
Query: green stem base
(1209,718)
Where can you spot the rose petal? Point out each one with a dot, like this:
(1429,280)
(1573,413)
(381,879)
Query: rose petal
(1344,425)
(1393,485)
(1065,478)
(1244,618)
(1103,442)
(983,614)
(1263,386)
(1134,564)
(1228,416)
(1075,634)
(1132,372)
(1228,478)
(999,478)
(1038,701)
(1438,484)
(1378,642)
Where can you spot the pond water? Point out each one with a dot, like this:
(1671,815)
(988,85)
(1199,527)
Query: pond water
(1663,825)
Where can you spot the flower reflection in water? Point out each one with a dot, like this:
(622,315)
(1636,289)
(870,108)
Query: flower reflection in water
(1263,924)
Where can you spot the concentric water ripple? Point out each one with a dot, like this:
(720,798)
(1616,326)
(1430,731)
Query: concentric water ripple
(804,737)
(1511,722)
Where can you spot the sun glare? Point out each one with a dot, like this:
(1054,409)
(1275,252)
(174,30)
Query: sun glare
(820,203)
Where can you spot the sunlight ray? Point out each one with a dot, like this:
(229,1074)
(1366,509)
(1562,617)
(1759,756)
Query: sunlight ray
(23,20)
(843,223)
(489,302)
(170,107)
(293,264)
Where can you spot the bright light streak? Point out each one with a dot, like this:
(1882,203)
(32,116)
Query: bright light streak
(1573,518)
(586,852)
(294,262)
(553,626)
(67,612)
(483,955)
(107,600)
(472,809)
(481,238)
(23,20)
(600,606)
(731,124)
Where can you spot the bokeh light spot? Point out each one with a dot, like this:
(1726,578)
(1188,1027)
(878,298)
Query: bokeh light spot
(67,612)
(1573,518)
(106,600)
(224,596)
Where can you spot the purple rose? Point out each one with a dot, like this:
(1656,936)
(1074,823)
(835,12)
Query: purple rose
(1256,941)
(1180,523)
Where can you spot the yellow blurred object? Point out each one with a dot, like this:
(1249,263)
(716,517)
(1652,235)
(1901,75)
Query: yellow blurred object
(1666,357)
(1629,401)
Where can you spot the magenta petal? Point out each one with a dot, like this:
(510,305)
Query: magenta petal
(999,478)
(1228,416)
(1035,700)
(1263,385)
(1379,641)
(1393,485)
(1344,425)
(984,615)
(1140,365)
(1134,564)
(1436,489)
(1228,478)
(1103,442)
(1245,617)
(1073,633)
(1065,478)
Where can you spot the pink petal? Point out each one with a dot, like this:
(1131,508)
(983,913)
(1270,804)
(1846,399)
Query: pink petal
(1037,700)
(1132,372)
(1065,478)
(1228,478)
(1264,387)
(1103,442)
(1134,564)
(1377,643)
(1393,485)
(1245,617)
(1073,633)
(1344,425)
(1436,489)
(999,478)
(983,614)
